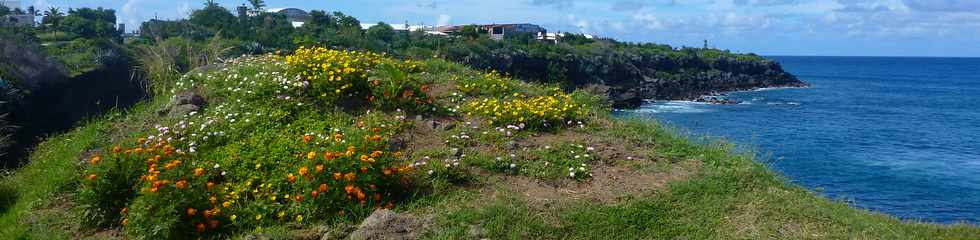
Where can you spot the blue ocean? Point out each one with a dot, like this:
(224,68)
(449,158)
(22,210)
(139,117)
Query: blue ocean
(895,135)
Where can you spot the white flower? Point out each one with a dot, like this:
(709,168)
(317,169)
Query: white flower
(513,165)
(216,166)
(430,172)
(571,174)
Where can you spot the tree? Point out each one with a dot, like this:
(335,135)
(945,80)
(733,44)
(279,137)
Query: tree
(470,31)
(33,11)
(4,10)
(257,5)
(382,31)
(52,16)
(215,18)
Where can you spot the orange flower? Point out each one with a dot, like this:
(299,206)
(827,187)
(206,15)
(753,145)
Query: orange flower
(311,155)
(116,149)
(214,223)
(210,185)
(376,154)
(303,171)
(349,189)
(328,156)
(124,211)
(291,178)
(338,136)
(350,176)
(138,150)
(376,130)
(319,168)
(154,189)
(91,177)
(323,187)
(181,184)
(314,193)
(141,141)
(299,197)
(359,193)
(307,138)
(398,154)
(200,227)
(364,169)
(95,160)
(377,197)
(207,213)
(387,171)
(125,221)
(191,212)
(336,176)
(198,172)
(364,158)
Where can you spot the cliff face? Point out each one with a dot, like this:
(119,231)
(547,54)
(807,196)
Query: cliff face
(634,74)
(661,81)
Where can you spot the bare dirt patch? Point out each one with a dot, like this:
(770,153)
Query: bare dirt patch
(608,184)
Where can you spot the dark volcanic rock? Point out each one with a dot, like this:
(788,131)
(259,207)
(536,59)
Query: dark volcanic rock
(183,103)
(386,224)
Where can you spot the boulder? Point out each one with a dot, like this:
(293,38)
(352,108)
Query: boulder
(183,103)
(387,224)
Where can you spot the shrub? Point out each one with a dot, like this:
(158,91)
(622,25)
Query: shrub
(542,112)
(487,84)
(394,86)
(332,73)
(260,154)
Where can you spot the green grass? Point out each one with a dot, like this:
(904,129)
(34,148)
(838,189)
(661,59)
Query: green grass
(54,169)
(727,195)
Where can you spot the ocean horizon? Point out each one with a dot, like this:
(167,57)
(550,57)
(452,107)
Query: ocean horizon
(891,134)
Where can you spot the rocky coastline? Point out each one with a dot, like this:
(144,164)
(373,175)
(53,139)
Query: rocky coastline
(703,86)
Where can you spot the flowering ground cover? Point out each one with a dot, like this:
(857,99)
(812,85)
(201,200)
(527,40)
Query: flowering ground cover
(306,144)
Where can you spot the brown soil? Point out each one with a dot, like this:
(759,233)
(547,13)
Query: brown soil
(608,184)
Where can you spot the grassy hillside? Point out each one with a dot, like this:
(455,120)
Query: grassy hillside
(308,144)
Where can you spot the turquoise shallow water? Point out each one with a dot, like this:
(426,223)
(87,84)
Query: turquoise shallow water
(896,135)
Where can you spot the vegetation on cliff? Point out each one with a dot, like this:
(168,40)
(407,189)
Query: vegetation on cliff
(306,144)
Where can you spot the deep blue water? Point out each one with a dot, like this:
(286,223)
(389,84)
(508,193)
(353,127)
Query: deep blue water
(895,135)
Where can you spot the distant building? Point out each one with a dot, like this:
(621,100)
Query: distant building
(11,4)
(16,19)
(556,37)
(497,31)
(401,27)
(296,16)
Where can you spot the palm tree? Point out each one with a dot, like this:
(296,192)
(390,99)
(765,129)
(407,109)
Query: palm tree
(257,5)
(52,16)
(210,4)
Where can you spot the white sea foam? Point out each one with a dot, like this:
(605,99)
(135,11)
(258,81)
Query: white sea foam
(673,107)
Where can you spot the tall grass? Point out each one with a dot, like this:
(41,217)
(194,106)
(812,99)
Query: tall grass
(163,62)
(6,128)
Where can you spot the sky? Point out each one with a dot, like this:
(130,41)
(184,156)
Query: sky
(766,27)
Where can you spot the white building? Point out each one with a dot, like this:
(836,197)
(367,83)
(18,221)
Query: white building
(400,27)
(16,19)
(11,4)
(296,16)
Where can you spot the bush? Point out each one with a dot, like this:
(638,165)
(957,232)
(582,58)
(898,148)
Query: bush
(487,84)
(344,76)
(542,112)
(262,153)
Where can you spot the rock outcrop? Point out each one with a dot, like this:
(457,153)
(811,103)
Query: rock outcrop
(387,224)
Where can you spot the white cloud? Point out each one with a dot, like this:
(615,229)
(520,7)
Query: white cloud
(184,9)
(129,14)
(649,21)
(444,20)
